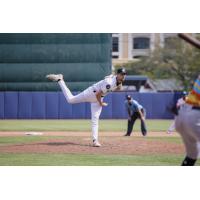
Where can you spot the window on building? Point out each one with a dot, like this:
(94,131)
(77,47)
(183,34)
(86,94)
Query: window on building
(141,43)
(115,57)
(115,44)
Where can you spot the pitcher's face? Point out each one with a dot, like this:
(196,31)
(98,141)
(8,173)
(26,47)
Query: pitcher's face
(121,77)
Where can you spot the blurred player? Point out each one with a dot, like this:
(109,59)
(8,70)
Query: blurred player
(179,103)
(187,124)
(94,95)
(135,111)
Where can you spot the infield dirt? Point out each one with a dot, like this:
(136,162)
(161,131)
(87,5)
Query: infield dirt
(113,143)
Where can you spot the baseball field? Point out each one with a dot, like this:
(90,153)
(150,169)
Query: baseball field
(68,143)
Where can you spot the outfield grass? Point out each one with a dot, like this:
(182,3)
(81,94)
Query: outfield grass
(7,140)
(88,160)
(78,125)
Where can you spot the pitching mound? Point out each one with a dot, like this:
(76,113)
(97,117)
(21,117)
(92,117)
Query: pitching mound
(112,143)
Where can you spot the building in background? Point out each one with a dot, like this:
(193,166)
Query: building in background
(128,47)
(131,46)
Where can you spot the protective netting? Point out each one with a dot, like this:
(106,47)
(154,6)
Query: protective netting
(25,59)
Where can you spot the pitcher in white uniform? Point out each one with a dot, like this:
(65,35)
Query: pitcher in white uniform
(94,94)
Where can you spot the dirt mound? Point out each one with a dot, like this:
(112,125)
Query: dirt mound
(110,145)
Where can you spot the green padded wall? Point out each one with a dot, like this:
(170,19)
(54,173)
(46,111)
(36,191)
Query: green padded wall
(25,59)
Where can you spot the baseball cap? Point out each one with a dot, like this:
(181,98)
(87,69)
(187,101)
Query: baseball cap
(128,97)
(184,93)
(121,70)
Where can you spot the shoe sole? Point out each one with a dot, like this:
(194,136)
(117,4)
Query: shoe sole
(96,145)
(49,77)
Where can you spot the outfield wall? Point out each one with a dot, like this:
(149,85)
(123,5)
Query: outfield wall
(52,105)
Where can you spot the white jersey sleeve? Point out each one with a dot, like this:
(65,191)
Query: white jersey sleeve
(105,86)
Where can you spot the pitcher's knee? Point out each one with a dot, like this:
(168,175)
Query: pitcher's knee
(95,120)
(71,100)
(95,123)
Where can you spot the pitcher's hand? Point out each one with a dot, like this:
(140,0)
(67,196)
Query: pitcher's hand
(104,104)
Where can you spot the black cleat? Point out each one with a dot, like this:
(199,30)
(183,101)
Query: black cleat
(144,133)
(127,135)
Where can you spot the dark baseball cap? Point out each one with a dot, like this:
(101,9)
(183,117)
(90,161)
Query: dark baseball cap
(128,97)
(121,70)
(184,93)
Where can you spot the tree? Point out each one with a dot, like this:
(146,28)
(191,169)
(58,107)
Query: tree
(176,60)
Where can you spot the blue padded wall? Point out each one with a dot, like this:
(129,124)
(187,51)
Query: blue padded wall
(53,105)
(168,101)
(78,111)
(161,101)
(65,109)
(146,99)
(38,105)
(2,105)
(159,107)
(11,105)
(118,108)
(25,105)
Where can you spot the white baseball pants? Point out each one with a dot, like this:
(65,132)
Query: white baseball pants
(86,96)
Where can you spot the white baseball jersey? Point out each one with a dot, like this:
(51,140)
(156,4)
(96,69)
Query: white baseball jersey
(107,85)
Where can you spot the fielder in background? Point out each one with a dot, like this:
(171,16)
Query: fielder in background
(94,95)
(135,111)
(187,124)
(179,103)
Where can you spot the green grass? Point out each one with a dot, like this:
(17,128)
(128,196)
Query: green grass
(176,140)
(88,160)
(78,125)
(7,140)
(41,159)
